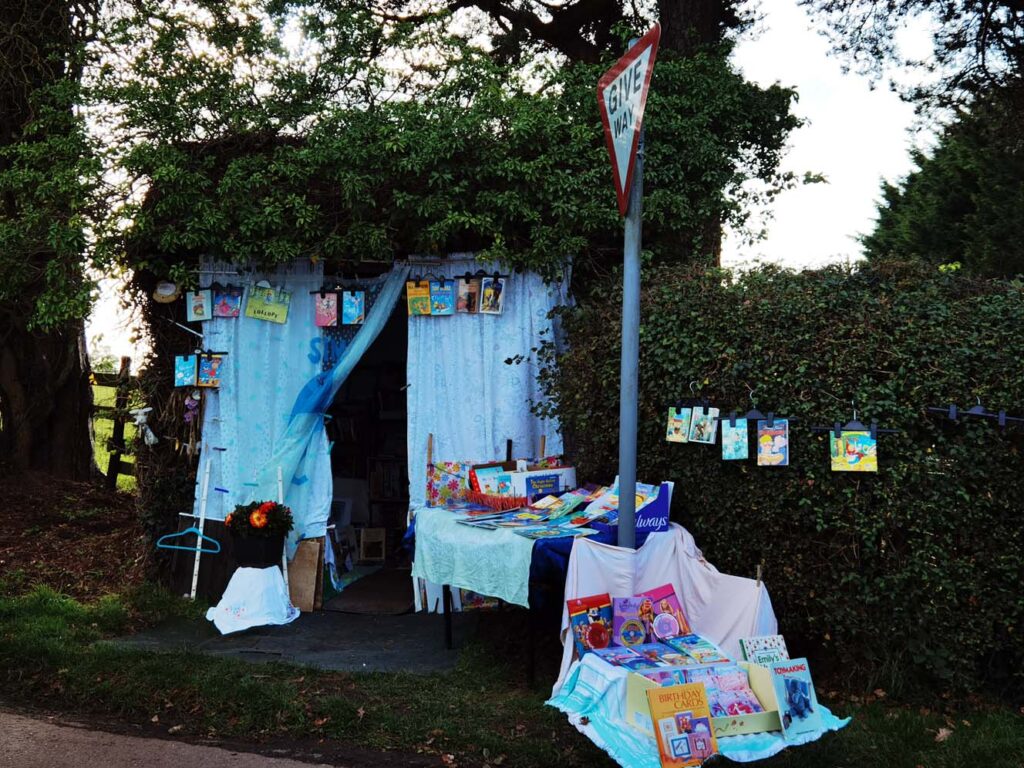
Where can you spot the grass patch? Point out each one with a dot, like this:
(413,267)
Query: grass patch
(103,430)
(478,713)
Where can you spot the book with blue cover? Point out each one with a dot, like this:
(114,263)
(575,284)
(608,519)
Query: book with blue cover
(442,297)
(798,703)
(734,440)
(185,367)
(353,307)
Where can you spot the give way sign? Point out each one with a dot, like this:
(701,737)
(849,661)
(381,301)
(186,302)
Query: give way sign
(621,95)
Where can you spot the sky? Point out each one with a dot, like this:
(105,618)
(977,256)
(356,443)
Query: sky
(854,135)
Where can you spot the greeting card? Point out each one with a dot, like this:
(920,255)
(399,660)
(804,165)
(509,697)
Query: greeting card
(417,296)
(185,371)
(468,296)
(353,307)
(268,303)
(209,370)
(854,452)
(326,305)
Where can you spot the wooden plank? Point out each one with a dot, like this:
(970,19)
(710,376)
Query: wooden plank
(106,379)
(126,468)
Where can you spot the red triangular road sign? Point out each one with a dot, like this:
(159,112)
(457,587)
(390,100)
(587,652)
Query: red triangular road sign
(622,95)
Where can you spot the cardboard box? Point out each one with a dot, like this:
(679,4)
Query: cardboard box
(638,713)
(306,575)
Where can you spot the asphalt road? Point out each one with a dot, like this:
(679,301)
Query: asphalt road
(30,743)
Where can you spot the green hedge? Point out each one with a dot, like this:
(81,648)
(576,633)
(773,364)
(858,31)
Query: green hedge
(912,577)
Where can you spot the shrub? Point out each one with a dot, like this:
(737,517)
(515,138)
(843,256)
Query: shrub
(909,576)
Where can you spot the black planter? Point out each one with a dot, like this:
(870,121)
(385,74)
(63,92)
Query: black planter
(258,551)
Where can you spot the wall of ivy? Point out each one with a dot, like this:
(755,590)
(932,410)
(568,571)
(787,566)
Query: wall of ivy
(908,579)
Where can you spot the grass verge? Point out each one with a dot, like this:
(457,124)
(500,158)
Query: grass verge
(474,716)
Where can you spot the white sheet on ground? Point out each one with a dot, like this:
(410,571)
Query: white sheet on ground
(253,597)
(720,607)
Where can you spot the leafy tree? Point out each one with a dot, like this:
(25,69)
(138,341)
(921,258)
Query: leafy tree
(47,172)
(365,150)
(965,202)
(977,44)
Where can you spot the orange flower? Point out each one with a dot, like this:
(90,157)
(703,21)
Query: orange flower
(267,507)
(258,518)
(227,520)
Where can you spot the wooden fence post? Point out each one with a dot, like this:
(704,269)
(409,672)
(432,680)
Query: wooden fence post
(120,416)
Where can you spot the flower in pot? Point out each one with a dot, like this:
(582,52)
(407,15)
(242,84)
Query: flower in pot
(258,530)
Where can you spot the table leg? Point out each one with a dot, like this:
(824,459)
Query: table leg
(446,605)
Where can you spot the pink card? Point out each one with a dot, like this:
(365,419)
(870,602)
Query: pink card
(326,309)
(669,619)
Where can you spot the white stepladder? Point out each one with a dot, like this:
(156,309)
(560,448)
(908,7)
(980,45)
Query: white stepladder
(284,552)
(203,496)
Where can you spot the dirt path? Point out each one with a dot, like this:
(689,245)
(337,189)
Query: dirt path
(29,743)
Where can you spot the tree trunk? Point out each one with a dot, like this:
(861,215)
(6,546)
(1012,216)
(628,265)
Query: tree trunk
(689,25)
(45,402)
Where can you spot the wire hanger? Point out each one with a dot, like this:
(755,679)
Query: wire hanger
(161,543)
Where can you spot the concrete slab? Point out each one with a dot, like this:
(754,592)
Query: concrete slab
(328,640)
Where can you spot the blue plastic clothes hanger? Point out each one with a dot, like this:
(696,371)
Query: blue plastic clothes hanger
(160,543)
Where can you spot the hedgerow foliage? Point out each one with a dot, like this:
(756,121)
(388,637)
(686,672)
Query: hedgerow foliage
(912,575)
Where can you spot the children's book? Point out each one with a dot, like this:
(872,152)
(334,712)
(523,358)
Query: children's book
(326,309)
(590,619)
(614,655)
(227,300)
(682,725)
(492,295)
(854,452)
(697,648)
(664,612)
(268,303)
(417,296)
(494,481)
(353,307)
(467,296)
(734,440)
(678,429)
(566,504)
(199,305)
(628,629)
(655,652)
(735,696)
(442,297)
(773,443)
(665,676)
(764,649)
(704,426)
(798,704)
(552,531)
(185,371)
(209,370)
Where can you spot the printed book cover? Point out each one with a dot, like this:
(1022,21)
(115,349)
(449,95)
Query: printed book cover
(615,655)
(664,676)
(467,298)
(492,295)
(326,309)
(665,613)
(417,296)
(199,305)
(854,452)
(185,371)
(552,531)
(227,300)
(678,429)
(494,481)
(628,628)
(268,303)
(734,440)
(442,297)
(798,704)
(567,504)
(764,649)
(209,370)
(734,693)
(697,648)
(654,651)
(682,725)
(353,307)
(704,426)
(590,619)
(773,443)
